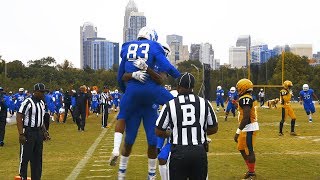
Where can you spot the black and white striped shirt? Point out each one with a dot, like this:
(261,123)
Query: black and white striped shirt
(33,112)
(104,98)
(189,116)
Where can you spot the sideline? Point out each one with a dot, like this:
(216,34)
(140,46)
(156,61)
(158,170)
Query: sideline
(76,171)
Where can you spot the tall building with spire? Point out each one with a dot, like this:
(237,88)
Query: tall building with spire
(88,30)
(133,21)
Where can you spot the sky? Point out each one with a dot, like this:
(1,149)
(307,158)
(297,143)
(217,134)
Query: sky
(34,29)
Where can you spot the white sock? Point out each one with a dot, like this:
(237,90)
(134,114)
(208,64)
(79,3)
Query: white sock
(123,164)
(117,142)
(310,116)
(152,166)
(163,169)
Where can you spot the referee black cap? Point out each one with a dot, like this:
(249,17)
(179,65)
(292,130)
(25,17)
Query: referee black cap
(40,87)
(186,80)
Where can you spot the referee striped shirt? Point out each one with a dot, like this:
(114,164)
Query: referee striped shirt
(188,116)
(104,98)
(33,112)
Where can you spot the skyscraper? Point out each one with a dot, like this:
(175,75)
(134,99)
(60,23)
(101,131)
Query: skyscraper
(100,53)
(206,54)
(131,7)
(261,54)
(179,52)
(195,51)
(237,56)
(88,30)
(133,22)
(244,41)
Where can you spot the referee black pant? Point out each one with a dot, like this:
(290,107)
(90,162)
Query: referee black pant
(188,161)
(31,151)
(105,114)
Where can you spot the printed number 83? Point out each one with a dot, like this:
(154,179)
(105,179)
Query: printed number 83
(134,49)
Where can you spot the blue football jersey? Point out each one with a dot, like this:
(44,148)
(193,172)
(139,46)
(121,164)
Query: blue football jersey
(232,96)
(220,94)
(307,96)
(154,54)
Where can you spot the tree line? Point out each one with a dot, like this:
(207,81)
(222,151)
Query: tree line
(56,76)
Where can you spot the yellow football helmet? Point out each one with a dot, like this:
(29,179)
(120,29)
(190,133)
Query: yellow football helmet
(244,85)
(287,84)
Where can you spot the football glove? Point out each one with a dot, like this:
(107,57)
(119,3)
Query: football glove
(140,76)
(141,64)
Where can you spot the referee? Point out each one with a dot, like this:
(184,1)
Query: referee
(32,132)
(105,100)
(191,119)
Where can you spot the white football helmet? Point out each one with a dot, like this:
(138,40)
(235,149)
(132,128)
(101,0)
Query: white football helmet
(305,87)
(261,89)
(166,48)
(116,91)
(219,88)
(21,89)
(148,33)
(232,89)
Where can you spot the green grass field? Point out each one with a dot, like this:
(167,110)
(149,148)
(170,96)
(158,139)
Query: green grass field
(285,157)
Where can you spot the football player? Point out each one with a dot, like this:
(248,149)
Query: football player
(142,55)
(306,97)
(286,110)
(219,99)
(57,100)
(246,133)
(19,98)
(95,102)
(231,102)
(116,99)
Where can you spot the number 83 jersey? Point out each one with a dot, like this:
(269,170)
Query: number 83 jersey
(252,124)
(149,50)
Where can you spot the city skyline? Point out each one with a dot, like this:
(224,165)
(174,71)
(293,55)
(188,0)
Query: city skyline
(35,29)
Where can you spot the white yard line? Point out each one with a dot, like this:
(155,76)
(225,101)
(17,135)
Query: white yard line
(94,177)
(97,170)
(76,171)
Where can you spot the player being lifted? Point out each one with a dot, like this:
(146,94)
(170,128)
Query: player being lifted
(286,110)
(219,99)
(306,97)
(144,54)
(246,133)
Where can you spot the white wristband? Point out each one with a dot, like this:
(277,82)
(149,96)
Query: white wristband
(238,131)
